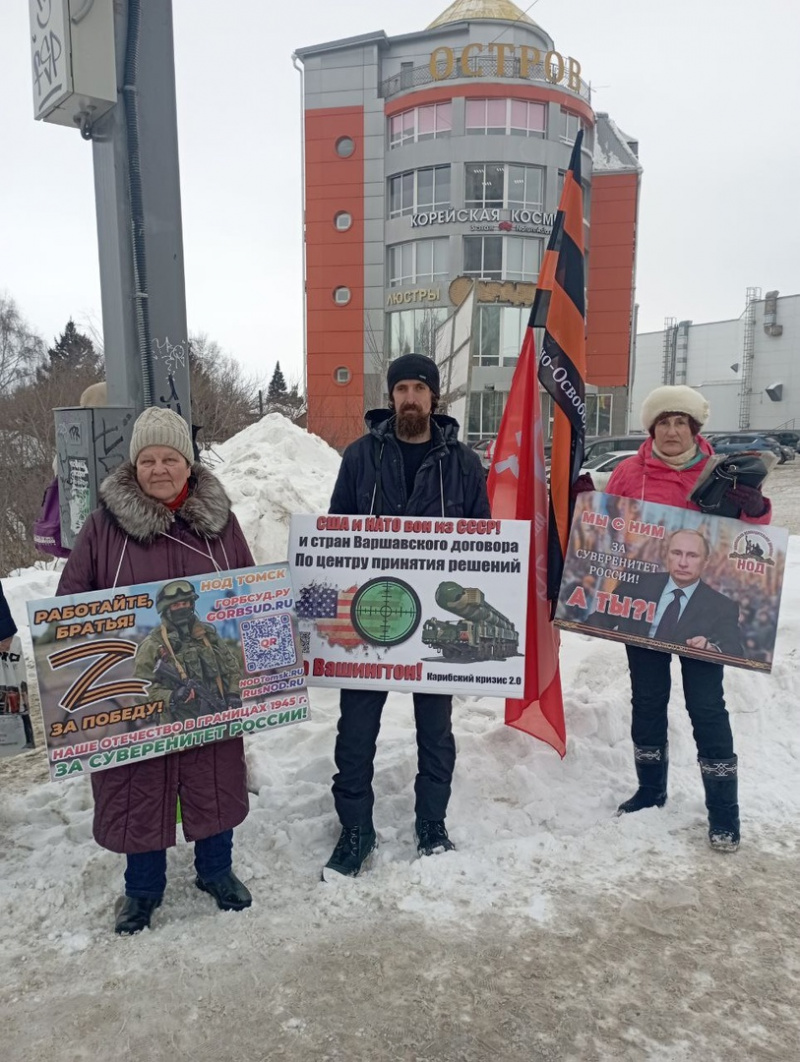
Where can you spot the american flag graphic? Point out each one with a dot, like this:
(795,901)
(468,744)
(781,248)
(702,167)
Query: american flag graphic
(339,630)
(317,601)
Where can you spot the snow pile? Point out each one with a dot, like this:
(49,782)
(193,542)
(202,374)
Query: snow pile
(29,584)
(271,470)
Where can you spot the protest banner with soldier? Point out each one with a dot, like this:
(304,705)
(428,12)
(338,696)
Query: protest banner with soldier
(138,672)
(190,667)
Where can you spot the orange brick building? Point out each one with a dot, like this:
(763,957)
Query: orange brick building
(434,160)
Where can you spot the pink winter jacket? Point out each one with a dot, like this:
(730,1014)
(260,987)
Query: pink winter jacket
(647,477)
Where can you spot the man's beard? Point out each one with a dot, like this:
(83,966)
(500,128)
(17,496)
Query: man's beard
(411,423)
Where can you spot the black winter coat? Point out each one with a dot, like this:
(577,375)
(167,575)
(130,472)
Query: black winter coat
(450,481)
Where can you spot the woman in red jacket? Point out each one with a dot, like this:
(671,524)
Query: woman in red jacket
(665,470)
(163,517)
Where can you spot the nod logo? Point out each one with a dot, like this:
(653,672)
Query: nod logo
(754,547)
(506,226)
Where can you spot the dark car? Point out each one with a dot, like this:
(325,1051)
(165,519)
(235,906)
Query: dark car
(787,438)
(601,444)
(736,442)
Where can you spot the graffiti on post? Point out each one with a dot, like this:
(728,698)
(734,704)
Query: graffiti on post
(48,54)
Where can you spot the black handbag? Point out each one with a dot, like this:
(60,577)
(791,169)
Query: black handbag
(725,471)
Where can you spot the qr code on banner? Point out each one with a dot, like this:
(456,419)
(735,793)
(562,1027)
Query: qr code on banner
(305,642)
(268,643)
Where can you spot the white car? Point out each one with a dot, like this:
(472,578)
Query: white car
(601,466)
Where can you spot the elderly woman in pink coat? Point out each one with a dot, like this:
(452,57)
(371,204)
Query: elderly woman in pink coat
(666,470)
(161,516)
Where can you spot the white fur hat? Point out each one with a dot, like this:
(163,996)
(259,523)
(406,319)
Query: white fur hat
(674,399)
(159,426)
(95,395)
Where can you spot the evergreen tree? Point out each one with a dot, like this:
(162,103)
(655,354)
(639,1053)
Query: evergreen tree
(74,351)
(277,392)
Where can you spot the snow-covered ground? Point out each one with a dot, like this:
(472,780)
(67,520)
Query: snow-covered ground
(555,932)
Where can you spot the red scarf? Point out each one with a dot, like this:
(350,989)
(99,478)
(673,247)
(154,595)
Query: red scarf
(174,505)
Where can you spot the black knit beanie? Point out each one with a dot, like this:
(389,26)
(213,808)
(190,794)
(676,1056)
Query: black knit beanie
(413,367)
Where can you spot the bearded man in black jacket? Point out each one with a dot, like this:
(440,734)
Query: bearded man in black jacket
(410,463)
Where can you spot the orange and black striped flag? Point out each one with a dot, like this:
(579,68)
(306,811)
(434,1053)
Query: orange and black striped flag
(517,479)
(559,309)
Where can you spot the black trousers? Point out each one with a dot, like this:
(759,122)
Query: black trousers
(356,742)
(702,690)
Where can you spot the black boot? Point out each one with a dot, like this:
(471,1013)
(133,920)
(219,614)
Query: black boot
(721,782)
(432,837)
(652,762)
(354,847)
(134,913)
(228,891)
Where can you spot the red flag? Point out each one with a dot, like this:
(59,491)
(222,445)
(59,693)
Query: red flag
(518,491)
(517,479)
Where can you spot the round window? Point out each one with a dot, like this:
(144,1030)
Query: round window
(345,146)
(343,221)
(341,296)
(342,375)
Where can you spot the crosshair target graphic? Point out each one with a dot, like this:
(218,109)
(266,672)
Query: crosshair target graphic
(385,611)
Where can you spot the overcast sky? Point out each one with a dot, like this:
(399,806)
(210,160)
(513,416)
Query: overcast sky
(710,88)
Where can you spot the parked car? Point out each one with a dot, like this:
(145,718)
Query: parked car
(787,438)
(735,443)
(485,451)
(600,466)
(603,444)
(789,453)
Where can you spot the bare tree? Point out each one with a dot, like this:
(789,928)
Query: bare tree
(21,350)
(43,381)
(427,322)
(225,399)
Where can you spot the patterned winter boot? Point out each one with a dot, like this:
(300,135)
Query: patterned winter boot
(651,762)
(721,782)
(352,853)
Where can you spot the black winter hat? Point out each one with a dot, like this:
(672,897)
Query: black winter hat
(413,367)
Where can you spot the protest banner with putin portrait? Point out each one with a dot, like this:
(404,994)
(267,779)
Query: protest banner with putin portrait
(672,579)
(136,672)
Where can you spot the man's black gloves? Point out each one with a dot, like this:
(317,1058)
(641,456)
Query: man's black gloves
(233,700)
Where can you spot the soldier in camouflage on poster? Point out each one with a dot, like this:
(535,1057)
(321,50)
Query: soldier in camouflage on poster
(190,668)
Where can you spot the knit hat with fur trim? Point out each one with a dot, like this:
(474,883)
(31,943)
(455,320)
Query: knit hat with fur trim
(413,367)
(674,399)
(161,427)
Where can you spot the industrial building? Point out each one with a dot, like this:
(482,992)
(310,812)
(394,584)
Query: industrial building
(748,367)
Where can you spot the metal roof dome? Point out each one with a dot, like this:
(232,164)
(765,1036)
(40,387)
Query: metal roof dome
(470,10)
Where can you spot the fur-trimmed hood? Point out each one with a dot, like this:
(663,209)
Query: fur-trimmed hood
(205,512)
